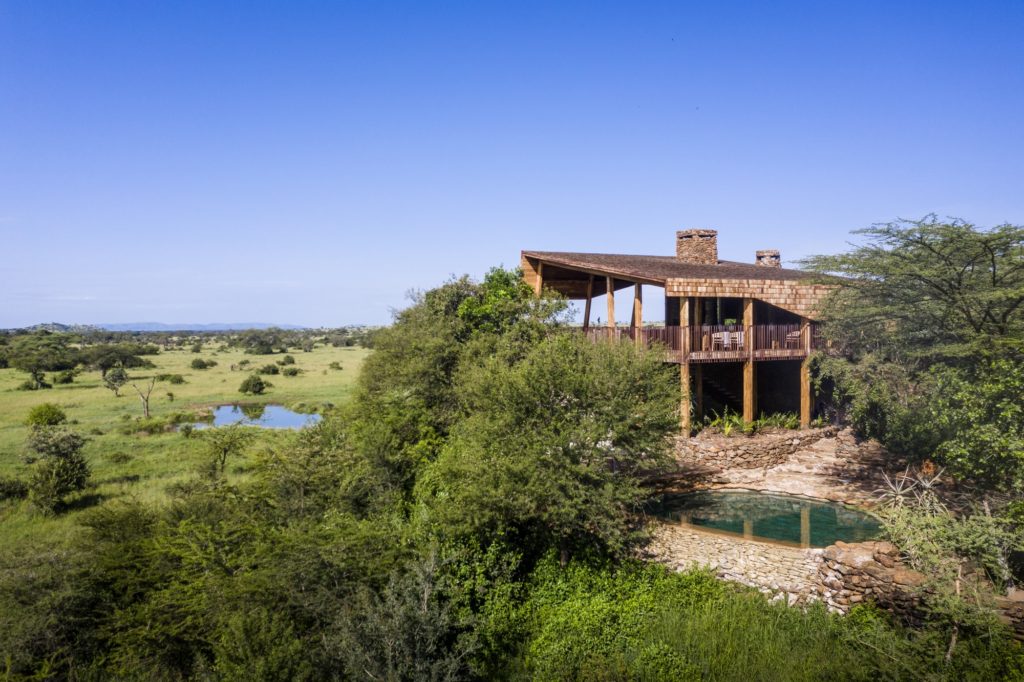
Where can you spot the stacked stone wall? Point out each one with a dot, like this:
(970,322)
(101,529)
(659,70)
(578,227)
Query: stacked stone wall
(715,451)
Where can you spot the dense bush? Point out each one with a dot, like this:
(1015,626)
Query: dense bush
(65,377)
(199,363)
(291,371)
(175,379)
(12,489)
(269,369)
(287,360)
(253,384)
(46,414)
(59,467)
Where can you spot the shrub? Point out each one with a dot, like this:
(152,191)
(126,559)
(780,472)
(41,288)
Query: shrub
(12,489)
(186,430)
(65,377)
(287,360)
(46,414)
(197,347)
(291,371)
(61,469)
(269,369)
(335,365)
(253,384)
(199,363)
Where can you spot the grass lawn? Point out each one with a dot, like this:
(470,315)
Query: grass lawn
(140,465)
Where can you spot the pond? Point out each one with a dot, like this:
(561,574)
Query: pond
(791,520)
(265,416)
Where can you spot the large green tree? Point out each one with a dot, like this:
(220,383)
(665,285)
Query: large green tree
(930,315)
(554,447)
(929,289)
(42,352)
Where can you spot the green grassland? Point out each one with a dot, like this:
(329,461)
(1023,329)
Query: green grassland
(142,465)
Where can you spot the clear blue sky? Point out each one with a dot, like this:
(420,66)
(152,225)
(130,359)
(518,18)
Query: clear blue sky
(309,163)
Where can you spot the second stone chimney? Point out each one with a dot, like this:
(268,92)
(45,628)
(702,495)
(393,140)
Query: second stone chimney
(697,246)
(768,258)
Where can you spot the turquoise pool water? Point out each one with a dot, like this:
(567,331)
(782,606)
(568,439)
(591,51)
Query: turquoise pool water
(764,516)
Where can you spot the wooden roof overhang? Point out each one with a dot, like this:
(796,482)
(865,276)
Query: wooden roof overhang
(570,275)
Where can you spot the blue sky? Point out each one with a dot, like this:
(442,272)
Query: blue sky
(309,163)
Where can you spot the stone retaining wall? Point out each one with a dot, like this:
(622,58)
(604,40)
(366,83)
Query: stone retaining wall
(715,451)
(841,575)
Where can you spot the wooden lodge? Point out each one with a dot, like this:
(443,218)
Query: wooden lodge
(739,331)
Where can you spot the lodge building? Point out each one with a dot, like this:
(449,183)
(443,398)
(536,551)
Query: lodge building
(740,332)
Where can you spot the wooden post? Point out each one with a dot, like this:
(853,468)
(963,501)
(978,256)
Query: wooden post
(805,375)
(610,282)
(749,382)
(539,283)
(684,365)
(698,384)
(638,314)
(586,310)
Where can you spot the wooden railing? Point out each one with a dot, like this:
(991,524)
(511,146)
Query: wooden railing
(722,343)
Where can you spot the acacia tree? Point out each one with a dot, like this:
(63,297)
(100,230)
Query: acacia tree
(932,316)
(928,289)
(39,353)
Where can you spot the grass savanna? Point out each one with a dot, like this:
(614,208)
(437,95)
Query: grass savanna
(469,513)
(133,457)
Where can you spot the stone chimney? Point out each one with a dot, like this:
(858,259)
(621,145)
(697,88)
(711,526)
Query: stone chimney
(768,258)
(697,246)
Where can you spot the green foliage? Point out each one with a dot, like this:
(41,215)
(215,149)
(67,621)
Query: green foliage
(407,632)
(174,379)
(335,365)
(405,402)
(223,443)
(291,371)
(105,357)
(928,289)
(554,447)
(42,352)
(115,379)
(269,369)
(201,364)
(64,378)
(12,489)
(931,315)
(287,360)
(59,467)
(46,414)
(254,384)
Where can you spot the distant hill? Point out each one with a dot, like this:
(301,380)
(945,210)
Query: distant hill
(192,327)
(58,327)
(157,327)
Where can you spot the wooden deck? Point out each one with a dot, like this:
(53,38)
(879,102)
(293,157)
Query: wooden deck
(722,343)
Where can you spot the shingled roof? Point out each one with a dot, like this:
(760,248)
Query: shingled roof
(660,269)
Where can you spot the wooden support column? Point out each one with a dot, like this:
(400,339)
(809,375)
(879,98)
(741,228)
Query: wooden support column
(749,380)
(805,374)
(610,282)
(638,314)
(586,310)
(684,365)
(538,284)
